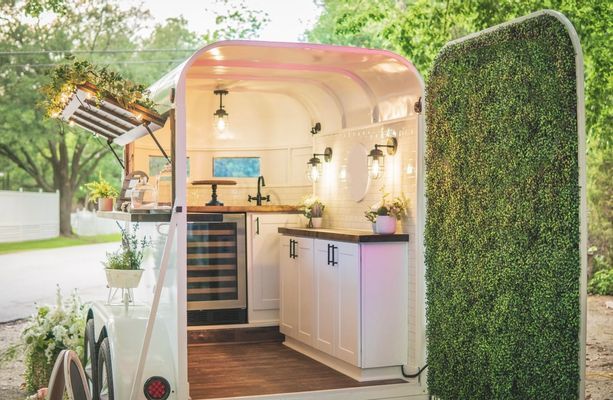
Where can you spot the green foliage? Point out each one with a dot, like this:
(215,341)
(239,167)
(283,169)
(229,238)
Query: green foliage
(602,283)
(131,253)
(49,331)
(502,228)
(600,201)
(100,189)
(65,78)
(34,8)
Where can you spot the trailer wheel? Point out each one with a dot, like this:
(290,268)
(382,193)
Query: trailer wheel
(105,372)
(90,358)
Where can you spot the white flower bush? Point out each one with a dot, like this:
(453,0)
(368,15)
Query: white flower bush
(51,330)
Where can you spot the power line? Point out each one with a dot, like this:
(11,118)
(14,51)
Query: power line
(46,52)
(108,62)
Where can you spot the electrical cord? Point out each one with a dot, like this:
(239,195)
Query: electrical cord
(413,375)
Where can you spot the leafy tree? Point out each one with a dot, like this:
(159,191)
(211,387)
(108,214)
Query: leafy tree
(53,155)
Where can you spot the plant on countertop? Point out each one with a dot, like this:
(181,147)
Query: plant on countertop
(65,78)
(312,207)
(398,207)
(100,189)
(49,331)
(130,255)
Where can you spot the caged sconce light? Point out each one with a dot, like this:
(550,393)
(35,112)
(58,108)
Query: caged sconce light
(376,158)
(314,166)
(220,120)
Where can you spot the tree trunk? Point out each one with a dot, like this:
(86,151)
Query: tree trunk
(65,210)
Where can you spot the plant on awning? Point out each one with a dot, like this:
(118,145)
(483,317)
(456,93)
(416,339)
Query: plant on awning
(107,84)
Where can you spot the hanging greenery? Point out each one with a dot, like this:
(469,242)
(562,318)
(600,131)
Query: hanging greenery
(502,228)
(108,84)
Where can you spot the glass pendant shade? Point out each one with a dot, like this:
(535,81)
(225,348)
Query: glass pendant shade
(376,164)
(220,117)
(314,169)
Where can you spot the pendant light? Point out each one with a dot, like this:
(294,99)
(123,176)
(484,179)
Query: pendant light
(220,119)
(314,166)
(376,158)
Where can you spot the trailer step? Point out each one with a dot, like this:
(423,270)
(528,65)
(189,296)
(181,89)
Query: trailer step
(235,335)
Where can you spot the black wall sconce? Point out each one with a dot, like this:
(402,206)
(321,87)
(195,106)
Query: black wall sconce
(220,116)
(314,166)
(376,158)
(316,128)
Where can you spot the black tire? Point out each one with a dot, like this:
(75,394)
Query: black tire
(90,358)
(105,372)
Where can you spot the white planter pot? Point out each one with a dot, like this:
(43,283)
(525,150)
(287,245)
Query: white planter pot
(386,224)
(317,222)
(123,278)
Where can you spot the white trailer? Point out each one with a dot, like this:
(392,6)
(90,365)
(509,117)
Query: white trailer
(286,101)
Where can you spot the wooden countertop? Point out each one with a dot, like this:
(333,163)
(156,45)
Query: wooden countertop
(238,209)
(345,235)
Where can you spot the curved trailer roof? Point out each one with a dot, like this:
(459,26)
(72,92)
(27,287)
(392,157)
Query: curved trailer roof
(344,86)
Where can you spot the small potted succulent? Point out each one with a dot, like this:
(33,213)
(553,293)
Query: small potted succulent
(384,214)
(312,208)
(123,267)
(103,193)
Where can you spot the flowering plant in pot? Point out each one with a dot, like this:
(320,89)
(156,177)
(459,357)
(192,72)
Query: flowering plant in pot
(313,209)
(385,213)
(103,192)
(123,267)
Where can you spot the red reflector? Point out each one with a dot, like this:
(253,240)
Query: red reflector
(157,388)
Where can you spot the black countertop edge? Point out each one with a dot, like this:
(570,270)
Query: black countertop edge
(345,235)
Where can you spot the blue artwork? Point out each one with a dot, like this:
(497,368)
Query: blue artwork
(236,167)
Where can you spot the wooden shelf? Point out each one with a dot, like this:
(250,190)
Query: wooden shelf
(345,235)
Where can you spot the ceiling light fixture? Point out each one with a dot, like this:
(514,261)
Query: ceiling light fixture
(314,166)
(376,158)
(220,119)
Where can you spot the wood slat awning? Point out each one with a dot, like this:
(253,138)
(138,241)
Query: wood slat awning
(109,119)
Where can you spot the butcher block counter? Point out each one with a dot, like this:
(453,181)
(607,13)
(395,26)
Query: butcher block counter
(164,215)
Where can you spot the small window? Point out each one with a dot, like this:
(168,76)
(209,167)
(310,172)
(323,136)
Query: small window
(236,167)
(157,164)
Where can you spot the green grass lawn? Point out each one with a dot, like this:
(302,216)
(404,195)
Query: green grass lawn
(58,242)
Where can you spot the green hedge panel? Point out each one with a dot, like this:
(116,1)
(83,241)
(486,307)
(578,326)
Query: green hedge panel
(502,228)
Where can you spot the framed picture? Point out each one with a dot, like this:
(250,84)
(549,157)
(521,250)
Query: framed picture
(236,167)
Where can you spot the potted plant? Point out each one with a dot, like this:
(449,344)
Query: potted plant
(123,267)
(102,192)
(385,213)
(312,208)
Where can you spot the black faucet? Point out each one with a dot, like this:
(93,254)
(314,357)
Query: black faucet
(258,197)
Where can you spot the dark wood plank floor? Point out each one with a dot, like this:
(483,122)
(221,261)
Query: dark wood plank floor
(231,370)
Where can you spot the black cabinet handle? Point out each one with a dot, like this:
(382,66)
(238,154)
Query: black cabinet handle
(334,262)
(295,252)
(291,248)
(329,253)
(257,226)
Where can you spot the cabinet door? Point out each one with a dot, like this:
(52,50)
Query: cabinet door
(326,299)
(288,313)
(347,266)
(306,290)
(265,259)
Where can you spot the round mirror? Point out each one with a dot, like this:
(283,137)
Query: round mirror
(357,172)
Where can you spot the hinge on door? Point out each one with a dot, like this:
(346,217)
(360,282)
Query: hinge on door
(417,107)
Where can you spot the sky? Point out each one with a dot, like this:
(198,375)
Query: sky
(288,18)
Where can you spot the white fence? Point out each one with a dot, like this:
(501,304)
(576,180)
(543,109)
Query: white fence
(86,223)
(29,216)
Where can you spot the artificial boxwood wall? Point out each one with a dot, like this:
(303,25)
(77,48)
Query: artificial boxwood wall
(502,227)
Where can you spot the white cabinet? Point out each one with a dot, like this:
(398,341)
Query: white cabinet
(263,264)
(337,270)
(297,311)
(348,300)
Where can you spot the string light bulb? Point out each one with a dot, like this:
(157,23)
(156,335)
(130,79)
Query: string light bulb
(220,119)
